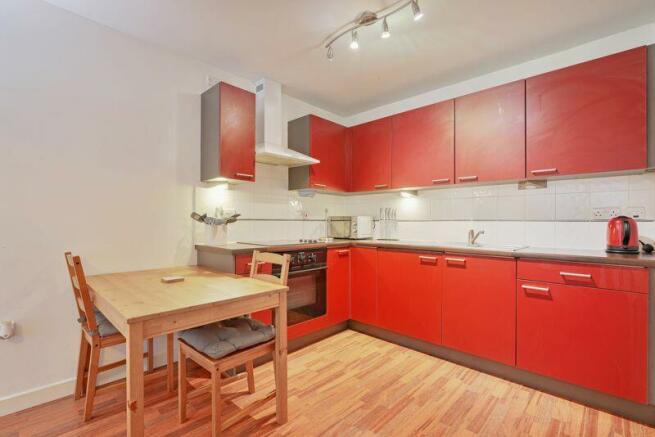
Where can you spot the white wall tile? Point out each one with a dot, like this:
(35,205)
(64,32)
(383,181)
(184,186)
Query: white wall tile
(613,183)
(572,206)
(511,208)
(540,234)
(540,207)
(462,208)
(485,208)
(642,199)
(608,198)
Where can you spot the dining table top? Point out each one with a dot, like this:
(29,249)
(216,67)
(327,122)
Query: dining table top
(142,295)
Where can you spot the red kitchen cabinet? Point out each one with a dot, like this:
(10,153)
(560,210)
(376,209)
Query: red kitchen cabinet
(586,336)
(338,284)
(325,141)
(410,294)
(228,134)
(423,146)
(490,134)
(371,155)
(479,306)
(364,280)
(588,118)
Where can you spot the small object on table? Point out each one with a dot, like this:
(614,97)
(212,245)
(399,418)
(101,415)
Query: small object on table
(646,247)
(171,279)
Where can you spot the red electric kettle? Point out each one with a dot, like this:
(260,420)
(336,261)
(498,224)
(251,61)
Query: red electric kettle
(622,235)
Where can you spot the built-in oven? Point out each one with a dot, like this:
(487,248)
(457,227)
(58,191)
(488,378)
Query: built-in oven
(307,296)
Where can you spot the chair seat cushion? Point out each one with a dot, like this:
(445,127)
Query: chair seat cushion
(222,338)
(105,328)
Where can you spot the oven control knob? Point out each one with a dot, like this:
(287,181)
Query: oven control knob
(301,257)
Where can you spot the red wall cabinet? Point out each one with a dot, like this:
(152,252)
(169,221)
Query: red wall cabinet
(228,133)
(325,141)
(364,281)
(490,134)
(338,284)
(410,294)
(586,336)
(423,146)
(371,155)
(479,306)
(588,118)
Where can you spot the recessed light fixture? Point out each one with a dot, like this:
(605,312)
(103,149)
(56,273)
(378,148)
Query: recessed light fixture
(354,43)
(367,18)
(385,29)
(409,194)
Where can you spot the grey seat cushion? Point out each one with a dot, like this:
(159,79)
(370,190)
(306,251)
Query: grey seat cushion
(105,328)
(222,338)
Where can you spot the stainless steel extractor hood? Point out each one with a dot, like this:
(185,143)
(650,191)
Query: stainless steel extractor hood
(268,137)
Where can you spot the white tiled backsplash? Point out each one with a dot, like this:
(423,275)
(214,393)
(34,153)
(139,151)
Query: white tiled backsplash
(556,216)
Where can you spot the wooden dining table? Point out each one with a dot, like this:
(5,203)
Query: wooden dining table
(141,306)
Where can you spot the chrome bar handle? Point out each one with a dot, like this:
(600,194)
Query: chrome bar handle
(576,275)
(319,185)
(543,171)
(467,178)
(535,288)
(432,259)
(440,181)
(456,260)
(380,186)
(245,175)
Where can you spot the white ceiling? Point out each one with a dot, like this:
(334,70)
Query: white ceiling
(281,39)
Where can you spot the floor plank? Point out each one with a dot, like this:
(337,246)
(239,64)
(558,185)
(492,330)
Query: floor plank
(348,384)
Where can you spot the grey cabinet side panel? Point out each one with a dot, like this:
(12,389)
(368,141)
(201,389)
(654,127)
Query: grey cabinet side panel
(210,120)
(650,105)
(298,136)
(219,261)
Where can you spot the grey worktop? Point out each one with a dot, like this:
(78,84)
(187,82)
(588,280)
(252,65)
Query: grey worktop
(556,254)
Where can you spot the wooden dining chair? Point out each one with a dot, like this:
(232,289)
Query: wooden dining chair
(97,334)
(226,345)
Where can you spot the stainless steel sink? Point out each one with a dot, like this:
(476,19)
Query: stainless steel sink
(502,247)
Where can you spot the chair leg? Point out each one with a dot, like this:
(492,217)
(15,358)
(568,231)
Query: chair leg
(170,371)
(82,362)
(151,358)
(216,402)
(91,380)
(181,385)
(250,368)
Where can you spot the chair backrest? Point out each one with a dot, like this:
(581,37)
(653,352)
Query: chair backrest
(81,292)
(272,258)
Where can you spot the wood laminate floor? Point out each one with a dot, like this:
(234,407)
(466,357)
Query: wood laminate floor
(347,385)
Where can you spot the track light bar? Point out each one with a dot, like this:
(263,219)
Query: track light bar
(367,18)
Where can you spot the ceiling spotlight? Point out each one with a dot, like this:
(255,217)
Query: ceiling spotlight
(354,44)
(385,29)
(416,10)
(330,53)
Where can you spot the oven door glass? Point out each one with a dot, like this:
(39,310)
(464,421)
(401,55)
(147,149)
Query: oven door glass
(306,298)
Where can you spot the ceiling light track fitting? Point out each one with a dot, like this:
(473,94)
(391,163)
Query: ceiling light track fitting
(368,18)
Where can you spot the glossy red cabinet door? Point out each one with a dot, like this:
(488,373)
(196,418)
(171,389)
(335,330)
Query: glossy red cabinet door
(410,294)
(328,145)
(363,289)
(587,336)
(490,134)
(588,118)
(237,133)
(338,284)
(371,155)
(479,306)
(423,146)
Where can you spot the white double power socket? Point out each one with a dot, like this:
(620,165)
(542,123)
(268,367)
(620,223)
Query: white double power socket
(607,212)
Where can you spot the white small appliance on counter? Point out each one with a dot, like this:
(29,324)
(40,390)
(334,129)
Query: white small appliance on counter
(356,227)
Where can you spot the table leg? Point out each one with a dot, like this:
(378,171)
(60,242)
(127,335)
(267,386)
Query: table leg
(170,374)
(134,349)
(281,360)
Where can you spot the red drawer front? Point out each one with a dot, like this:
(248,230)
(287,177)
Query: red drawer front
(242,265)
(589,275)
(587,336)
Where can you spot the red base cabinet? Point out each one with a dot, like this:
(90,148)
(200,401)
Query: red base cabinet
(364,280)
(587,336)
(589,117)
(479,306)
(338,284)
(410,294)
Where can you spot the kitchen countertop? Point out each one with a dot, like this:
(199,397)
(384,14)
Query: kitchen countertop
(556,254)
